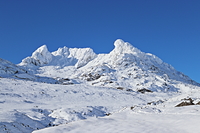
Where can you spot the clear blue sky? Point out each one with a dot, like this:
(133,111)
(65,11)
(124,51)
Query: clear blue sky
(169,29)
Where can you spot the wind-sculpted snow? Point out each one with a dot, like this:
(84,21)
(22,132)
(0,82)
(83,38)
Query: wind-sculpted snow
(76,90)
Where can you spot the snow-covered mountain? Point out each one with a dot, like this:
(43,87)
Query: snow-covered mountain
(125,65)
(51,89)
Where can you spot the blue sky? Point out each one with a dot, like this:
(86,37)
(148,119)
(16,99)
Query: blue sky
(169,29)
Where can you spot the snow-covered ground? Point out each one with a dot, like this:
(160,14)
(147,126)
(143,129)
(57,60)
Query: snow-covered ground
(27,106)
(76,90)
(128,121)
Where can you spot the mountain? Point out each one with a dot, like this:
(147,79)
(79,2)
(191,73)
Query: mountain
(125,65)
(56,91)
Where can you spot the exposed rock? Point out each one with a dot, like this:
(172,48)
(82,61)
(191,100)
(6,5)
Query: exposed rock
(91,77)
(144,90)
(64,81)
(186,102)
(155,102)
(130,90)
(198,103)
(120,88)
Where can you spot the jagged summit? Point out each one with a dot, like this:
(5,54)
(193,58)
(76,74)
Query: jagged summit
(79,57)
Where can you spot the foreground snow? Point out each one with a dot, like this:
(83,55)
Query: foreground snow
(27,106)
(128,121)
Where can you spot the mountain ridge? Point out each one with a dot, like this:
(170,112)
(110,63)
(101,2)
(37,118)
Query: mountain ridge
(123,56)
(45,57)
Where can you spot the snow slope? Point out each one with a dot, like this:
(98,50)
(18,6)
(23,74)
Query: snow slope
(130,122)
(7,68)
(76,90)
